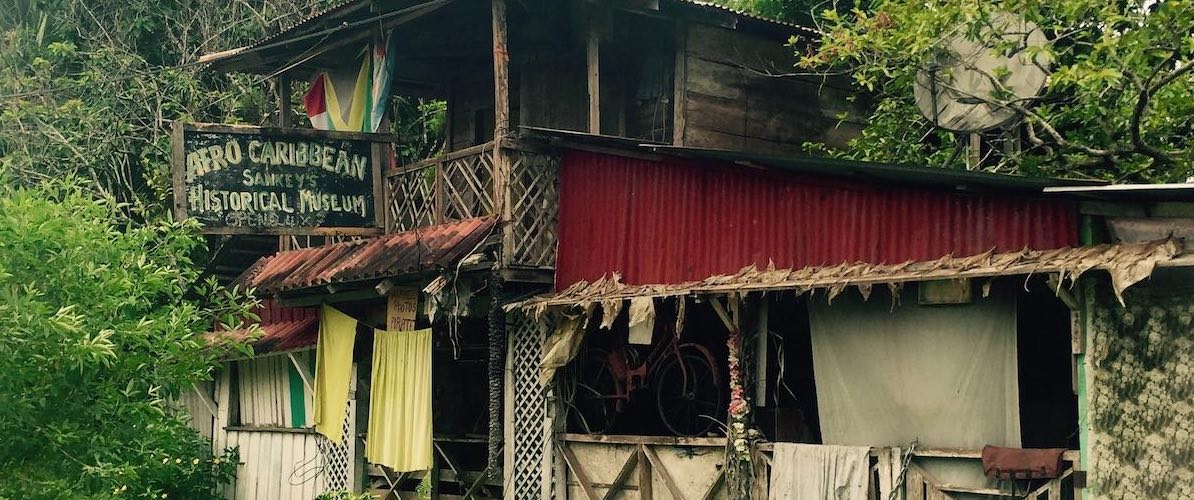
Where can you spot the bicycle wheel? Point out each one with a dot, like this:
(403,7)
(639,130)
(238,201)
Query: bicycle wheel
(688,393)
(594,401)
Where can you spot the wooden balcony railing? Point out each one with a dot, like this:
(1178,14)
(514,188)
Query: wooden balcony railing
(472,182)
(458,185)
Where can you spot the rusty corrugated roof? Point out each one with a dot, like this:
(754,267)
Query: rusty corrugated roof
(371,258)
(282,329)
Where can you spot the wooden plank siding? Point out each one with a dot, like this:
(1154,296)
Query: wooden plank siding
(277,465)
(730,102)
(279,458)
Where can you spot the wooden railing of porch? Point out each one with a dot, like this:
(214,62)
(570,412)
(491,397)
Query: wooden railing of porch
(515,180)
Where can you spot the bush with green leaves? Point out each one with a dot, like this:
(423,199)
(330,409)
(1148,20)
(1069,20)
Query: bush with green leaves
(100,329)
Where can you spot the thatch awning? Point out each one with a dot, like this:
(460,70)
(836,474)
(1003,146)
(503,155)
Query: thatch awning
(1127,263)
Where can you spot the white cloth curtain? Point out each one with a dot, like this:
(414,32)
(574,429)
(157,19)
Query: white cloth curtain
(945,375)
(819,472)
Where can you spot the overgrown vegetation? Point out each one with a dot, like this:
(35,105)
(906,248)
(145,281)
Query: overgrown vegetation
(101,303)
(1119,103)
(98,335)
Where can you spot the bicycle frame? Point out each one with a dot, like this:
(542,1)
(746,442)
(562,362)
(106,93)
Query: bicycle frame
(629,378)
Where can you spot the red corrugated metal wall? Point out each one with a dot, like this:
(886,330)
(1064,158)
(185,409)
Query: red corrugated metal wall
(678,220)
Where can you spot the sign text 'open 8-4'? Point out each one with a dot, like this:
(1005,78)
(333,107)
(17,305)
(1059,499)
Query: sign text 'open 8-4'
(236,179)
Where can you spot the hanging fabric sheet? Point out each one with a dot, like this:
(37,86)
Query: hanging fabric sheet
(354,99)
(819,472)
(400,401)
(333,371)
(943,375)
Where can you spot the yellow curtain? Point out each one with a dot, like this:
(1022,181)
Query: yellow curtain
(400,402)
(333,371)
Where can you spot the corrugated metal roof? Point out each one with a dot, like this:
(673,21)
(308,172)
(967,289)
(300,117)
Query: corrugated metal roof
(673,220)
(1128,192)
(338,8)
(370,258)
(1128,263)
(889,173)
(745,14)
(344,8)
(283,328)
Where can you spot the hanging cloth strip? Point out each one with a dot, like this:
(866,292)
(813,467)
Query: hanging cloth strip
(354,99)
(400,401)
(819,472)
(333,371)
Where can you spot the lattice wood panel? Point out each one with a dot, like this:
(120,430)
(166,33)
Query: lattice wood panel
(534,201)
(411,200)
(466,186)
(530,408)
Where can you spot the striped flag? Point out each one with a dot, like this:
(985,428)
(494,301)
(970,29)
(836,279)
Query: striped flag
(353,100)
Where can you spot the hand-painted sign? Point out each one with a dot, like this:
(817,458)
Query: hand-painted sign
(235,179)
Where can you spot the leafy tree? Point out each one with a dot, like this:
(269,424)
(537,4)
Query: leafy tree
(89,88)
(99,329)
(1119,103)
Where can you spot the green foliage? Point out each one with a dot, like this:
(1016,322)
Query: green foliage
(88,88)
(787,10)
(98,334)
(1119,103)
(420,125)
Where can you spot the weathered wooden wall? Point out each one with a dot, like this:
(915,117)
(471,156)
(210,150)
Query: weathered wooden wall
(470,112)
(264,393)
(552,93)
(190,402)
(691,469)
(277,460)
(277,465)
(729,102)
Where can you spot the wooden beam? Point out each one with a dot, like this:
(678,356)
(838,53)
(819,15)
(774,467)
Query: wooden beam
(670,483)
(206,400)
(501,72)
(680,84)
(593,68)
(761,334)
(646,484)
(711,491)
(623,475)
(304,373)
(586,485)
(721,313)
(712,442)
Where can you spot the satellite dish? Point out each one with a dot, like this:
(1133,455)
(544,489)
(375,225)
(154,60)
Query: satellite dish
(955,92)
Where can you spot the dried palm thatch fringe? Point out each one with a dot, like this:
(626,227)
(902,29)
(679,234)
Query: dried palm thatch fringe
(1127,263)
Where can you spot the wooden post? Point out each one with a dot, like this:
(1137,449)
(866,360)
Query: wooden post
(501,72)
(285,109)
(593,55)
(501,128)
(645,486)
(761,329)
(680,83)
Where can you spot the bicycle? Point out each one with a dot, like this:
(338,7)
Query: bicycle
(689,396)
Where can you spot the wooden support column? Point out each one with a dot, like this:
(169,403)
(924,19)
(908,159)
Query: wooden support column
(593,56)
(501,128)
(761,329)
(501,72)
(680,83)
(645,484)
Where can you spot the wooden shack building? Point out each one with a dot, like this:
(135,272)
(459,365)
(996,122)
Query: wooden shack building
(519,79)
(622,255)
